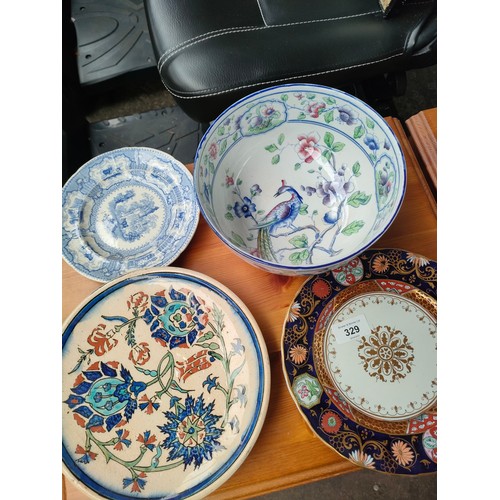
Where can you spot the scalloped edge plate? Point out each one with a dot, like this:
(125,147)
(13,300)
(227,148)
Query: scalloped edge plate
(125,210)
(407,448)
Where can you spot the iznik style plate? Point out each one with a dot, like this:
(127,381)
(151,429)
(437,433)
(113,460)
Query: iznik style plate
(165,388)
(406,445)
(297,177)
(125,210)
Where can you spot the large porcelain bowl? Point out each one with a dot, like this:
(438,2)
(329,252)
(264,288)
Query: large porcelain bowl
(299,179)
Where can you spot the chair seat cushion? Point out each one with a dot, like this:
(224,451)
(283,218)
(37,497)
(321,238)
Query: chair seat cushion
(212,53)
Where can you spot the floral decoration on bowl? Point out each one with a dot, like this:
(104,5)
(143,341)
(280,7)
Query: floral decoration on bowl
(298,179)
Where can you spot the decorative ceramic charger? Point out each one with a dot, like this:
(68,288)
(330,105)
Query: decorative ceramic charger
(359,357)
(165,388)
(125,210)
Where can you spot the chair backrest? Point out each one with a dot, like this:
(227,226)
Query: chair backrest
(210,54)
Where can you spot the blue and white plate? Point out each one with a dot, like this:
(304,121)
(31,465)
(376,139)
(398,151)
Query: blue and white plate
(128,209)
(165,383)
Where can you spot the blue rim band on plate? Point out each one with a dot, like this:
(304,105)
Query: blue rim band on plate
(254,354)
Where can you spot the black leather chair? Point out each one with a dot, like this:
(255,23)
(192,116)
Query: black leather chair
(211,53)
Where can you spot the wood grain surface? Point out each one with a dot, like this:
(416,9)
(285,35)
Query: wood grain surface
(287,452)
(422,128)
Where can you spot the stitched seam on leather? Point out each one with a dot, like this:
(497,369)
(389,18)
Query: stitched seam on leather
(203,35)
(262,13)
(280,79)
(207,36)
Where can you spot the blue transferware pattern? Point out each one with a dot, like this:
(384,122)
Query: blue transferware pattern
(125,210)
(165,386)
(408,447)
(297,176)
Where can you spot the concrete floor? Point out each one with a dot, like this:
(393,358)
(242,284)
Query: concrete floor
(365,484)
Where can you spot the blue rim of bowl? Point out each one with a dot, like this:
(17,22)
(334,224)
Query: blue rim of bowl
(261,262)
(238,307)
(188,236)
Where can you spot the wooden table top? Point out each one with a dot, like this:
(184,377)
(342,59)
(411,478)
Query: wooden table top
(286,453)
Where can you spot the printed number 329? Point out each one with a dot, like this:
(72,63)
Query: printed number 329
(352,330)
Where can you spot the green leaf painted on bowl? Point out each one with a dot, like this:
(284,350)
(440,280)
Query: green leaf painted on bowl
(271,148)
(300,241)
(281,139)
(237,239)
(326,154)
(223,147)
(303,209)
(353,228)
(275,159)
(356,169)
(329,139)
(299,257)
(338,146)
(359,132)
(358,198)
(328,116)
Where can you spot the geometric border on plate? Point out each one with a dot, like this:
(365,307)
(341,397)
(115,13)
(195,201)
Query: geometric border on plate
(127,209)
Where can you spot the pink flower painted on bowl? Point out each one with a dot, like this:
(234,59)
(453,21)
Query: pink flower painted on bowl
(315,108)
(229,181)
(213,150)
(307,148)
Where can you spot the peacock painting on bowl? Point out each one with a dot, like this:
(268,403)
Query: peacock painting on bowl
(299,179)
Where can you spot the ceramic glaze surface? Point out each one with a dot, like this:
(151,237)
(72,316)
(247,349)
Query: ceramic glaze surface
(398,446)
(165,387)
(125,210)
(299,178)
(388,371)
